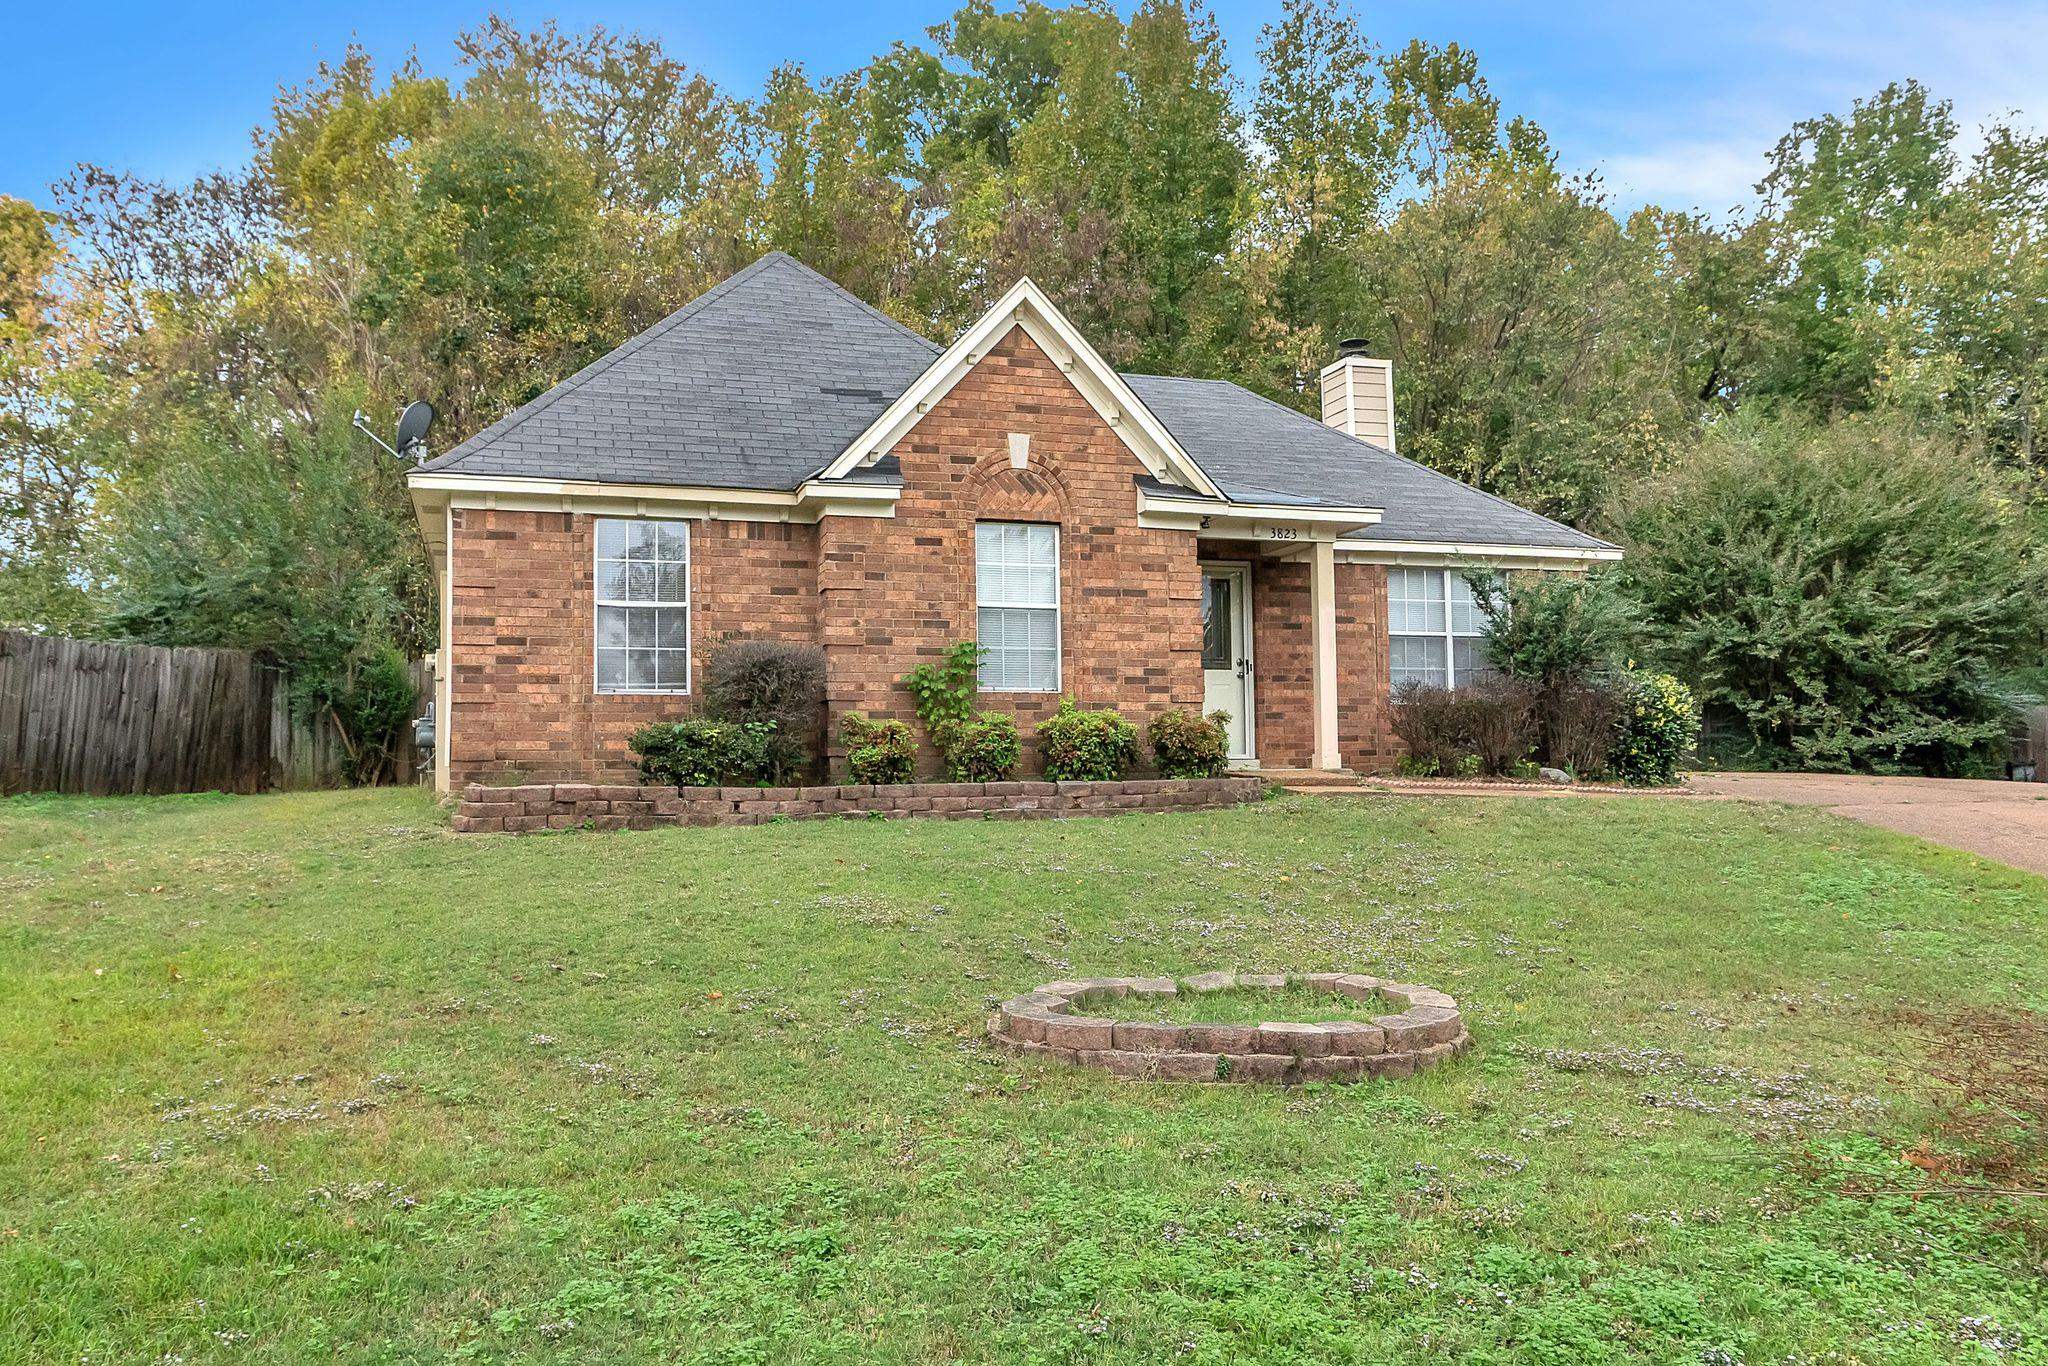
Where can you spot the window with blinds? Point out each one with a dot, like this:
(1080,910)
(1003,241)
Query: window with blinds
(1017,601)
(643,606)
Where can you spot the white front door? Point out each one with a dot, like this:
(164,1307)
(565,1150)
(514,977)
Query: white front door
(1227,652)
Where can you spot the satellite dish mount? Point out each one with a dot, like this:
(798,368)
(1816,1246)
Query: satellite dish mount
(412,430)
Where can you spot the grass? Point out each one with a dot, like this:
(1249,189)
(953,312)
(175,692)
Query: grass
(307,1076)
(1243,1005)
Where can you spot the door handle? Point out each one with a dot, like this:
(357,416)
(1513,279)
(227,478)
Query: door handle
(1244,668)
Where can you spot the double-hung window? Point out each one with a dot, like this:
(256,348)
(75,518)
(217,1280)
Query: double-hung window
(643,606)
(1433,628)
(1017,601)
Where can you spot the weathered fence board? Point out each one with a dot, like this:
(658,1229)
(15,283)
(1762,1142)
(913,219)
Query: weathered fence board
(90,717)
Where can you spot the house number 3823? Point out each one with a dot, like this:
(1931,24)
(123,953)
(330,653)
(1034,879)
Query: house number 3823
(1281,533)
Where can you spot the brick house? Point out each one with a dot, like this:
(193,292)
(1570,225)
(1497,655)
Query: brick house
(778,458)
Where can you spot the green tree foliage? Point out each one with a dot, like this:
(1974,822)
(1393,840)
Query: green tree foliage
(1844,594)
(267,536)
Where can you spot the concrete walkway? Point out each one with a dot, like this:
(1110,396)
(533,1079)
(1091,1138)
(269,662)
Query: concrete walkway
(2003,821)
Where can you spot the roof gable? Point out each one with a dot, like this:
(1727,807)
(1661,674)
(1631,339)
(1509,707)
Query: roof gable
(1027,306)
(753,384)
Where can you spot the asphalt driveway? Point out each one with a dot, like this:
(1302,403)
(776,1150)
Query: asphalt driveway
(2003,821)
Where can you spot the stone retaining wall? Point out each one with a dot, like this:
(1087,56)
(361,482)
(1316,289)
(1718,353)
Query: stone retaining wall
(623,806)
(1042,1024)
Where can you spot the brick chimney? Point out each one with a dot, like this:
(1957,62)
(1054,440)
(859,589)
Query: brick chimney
(1358,393)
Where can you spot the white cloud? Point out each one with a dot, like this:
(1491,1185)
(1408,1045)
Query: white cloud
(1777,65)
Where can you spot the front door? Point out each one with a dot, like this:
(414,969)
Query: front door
(1227,652)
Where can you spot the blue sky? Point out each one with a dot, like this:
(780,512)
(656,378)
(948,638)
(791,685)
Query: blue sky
(1673,103)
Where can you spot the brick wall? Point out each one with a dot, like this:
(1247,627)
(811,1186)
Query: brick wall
(897,593)
(523,698)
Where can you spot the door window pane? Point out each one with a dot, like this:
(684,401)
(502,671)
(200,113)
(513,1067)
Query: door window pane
(1219,622)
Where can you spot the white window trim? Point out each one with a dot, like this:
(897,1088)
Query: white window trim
(1058,608)
(1450,635)
(689,608)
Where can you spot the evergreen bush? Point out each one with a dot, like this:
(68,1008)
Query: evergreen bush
(1081,745)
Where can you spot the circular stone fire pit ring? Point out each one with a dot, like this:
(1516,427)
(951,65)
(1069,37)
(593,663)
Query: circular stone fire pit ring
(1043,1024)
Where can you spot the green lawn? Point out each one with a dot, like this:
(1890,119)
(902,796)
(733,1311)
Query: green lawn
(307,1076)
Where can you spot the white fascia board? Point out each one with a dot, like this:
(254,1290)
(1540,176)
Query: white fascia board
(1230,520)
(1026,305)
(805,504)
(1441,554)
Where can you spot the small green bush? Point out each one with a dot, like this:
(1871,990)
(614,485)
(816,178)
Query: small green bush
(877,751)
(779,681)
(375,713)
(1078,745)
(701,752)
(1659,724)
(984,749)
(1190,746)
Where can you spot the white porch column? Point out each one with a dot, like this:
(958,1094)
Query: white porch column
(1322,611)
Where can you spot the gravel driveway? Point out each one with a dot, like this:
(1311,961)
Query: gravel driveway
(2003,821)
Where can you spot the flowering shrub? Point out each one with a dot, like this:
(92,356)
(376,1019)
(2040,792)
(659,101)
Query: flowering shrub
(984,749)
(877,751)
(700,752)
(1094,745)
(1190,746)
(1659,725)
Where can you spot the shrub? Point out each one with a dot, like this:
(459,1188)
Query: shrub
(1559,636)
(1086,745)
(1659,725)
(1190,746)
(1430,720)
(374,711)
(1580,726)
(1500,723)
(877,751)
(978,746)
(778,682)
(984,749)
(701,752)
(1846,593)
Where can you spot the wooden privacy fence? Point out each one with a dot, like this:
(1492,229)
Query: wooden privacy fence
(83,716)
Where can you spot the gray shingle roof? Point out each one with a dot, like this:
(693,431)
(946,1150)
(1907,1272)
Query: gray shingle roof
(1259,451)
(756,383)
(763,379)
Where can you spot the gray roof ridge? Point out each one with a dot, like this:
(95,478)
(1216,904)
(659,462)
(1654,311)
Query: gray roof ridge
(1391,455)
(540,403)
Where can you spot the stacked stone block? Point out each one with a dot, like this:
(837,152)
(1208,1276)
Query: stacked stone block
(630,806)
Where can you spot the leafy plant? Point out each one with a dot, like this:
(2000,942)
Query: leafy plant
(945,692)
(1188,746)
(978,746)
(984,749)
(702,752)
(1430,720)
(1500,723)
(1846,594)
(1560,636)
(877,751)
(1659,725)
(777,682)
(374,712)
(1086,745)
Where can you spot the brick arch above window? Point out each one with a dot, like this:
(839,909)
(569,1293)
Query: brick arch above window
(995,490)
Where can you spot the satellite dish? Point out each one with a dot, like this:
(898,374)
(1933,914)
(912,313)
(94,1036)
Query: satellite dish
(413,424)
